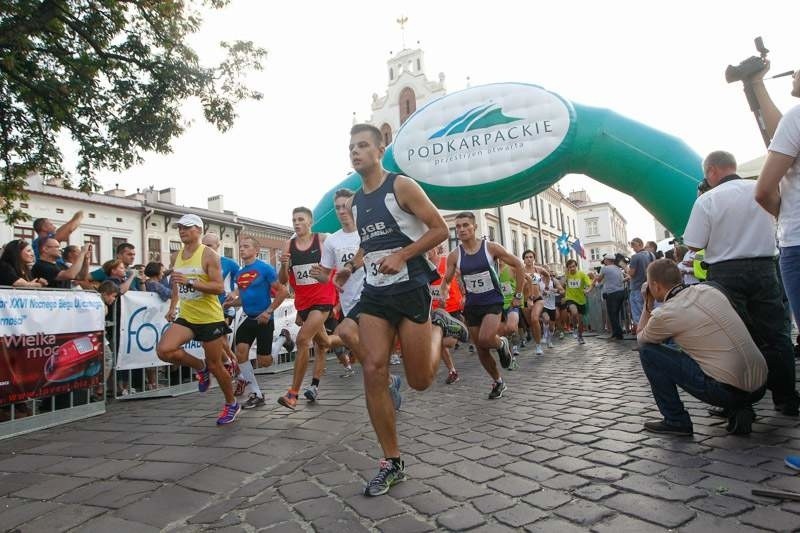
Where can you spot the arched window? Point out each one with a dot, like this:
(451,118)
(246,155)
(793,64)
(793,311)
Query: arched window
(391,74)
(386,131)
(408,103)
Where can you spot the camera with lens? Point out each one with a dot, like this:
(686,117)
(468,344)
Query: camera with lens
(750,66)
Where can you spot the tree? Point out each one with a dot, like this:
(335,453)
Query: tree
(110,73)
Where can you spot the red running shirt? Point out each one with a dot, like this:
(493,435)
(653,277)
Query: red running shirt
(308,292)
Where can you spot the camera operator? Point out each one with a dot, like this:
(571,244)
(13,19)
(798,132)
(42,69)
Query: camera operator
(778,187)
(739,241)
(717,362)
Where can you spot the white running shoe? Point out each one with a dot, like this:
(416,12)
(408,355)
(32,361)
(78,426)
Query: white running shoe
(539,350)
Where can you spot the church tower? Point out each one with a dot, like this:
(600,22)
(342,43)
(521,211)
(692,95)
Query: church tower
(408,88)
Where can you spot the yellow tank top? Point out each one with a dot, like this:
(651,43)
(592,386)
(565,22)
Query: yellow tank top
(196,307)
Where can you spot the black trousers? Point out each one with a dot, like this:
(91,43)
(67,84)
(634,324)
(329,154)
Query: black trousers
(614,302)
(753,287)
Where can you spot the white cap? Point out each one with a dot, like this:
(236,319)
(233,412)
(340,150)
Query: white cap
(607,256)
(188,221)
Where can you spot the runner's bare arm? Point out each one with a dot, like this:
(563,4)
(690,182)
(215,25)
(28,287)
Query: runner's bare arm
(63,232)
(283,272)
(213,269)
(512,261)
(343,274)
(413,199)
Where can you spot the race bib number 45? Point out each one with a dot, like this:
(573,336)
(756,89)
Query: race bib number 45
(302,274)
(376,278)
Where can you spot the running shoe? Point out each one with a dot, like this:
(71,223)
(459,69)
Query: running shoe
(515,350)
(394,389)
(289,344)
(253,401)
(497,390)
(539,350)
(395,359)
(232,367)
(451,327)
(240,385)
(471,348)
(348,373)
(561,335)
(390,474)
(514,364)
(229,413)
(203,379)
(549,343)
(580,340)
(288,400)
(311,393)
(452,377)
(504,353)
(792,461)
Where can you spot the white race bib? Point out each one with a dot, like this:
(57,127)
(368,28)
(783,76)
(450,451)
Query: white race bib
(186,292)
(377,279)
(436,291)
(574,283)
(302,274)
(479,283)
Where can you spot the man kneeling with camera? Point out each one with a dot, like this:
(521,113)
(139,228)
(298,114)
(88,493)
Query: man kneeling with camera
(711,356)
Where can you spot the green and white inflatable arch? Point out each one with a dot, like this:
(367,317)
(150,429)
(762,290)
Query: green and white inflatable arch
(501,143)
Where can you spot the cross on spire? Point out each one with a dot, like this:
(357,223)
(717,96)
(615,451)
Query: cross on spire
(402,21)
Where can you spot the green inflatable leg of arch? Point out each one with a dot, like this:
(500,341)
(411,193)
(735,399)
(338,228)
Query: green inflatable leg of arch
(501,143)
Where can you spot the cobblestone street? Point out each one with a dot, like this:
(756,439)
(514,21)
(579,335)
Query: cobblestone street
(562,451)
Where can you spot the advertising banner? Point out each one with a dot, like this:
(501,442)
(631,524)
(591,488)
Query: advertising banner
(143,321)
(51,342)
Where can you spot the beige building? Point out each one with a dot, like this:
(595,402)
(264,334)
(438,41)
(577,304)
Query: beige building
(603,227)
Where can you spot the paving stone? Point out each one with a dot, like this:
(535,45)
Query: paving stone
(625,524)
(547,499)
(28,463)
(531,470)
(107,523)
(215,480)
(565,482)
(431,503)
(624,436)
(286,527)
(771,518)
(474,471)
(319,508)
(347,523)
(670,458)
(164,506)
(660,512)
(63,519)
(248,462)
(475,452)
(612,445)
(492,502)
(460,519)
(742,473)
(569,464)
(682,476)
(161,471)
(25,512)
(267,514)
(514,486)
(595,492)
(339,477)
(110,494)
(213,513)
(72,465)
(603,473)
(732,487)
(375,508)
(723,506)
(714,524)
(189,454)
(550,525)
(52,487)
(608,458)
(303,490)
(423,471)
(540,456)
(582,512)
(457,488)
(404,524)
(519,515)
(651,486)
(439,458)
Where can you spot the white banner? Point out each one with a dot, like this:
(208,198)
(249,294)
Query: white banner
(143,322)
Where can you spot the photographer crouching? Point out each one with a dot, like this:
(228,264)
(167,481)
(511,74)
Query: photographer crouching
(717,361)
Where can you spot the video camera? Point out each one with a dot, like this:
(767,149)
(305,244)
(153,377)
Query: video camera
(750,66)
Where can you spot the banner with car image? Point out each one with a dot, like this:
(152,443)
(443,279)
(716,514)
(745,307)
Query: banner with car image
(51,342)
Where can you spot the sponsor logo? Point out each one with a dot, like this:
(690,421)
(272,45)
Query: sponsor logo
(492,132)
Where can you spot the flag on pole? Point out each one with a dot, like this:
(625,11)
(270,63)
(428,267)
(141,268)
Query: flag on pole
(563,244)
(579,248)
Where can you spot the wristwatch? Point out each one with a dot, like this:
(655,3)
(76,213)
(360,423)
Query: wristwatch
(518,296)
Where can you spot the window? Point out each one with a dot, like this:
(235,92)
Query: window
(452,240)
(595,254)
(491,233)
(566,226)
(228,252)
(558,218)
(514,245)
(522,204)
(591,227)
(407,103)
(525,242)
(541,209)
(174,246)
(59,211)
(116,241)
(94,240)
(555,252)
(263,254)
(419,65)
(24,232)
(550,215)
(386,131)
(391,74)
(532,208)
(536,249)
(154,250)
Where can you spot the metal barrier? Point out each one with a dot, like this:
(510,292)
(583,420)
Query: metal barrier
(37,334)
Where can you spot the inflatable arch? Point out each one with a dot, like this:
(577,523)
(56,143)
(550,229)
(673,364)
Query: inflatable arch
(501,143)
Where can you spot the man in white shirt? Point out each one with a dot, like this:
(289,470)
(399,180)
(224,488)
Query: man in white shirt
(778,188)
(739,241)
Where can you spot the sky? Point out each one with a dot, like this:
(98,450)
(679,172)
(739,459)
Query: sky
(660,63)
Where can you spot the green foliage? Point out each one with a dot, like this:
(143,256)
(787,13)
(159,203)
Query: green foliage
(112,73)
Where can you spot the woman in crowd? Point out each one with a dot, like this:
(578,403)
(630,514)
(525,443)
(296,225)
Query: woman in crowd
(15,265)
(154,272)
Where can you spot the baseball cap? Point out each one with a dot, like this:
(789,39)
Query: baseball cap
(188,221)
(606,256)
